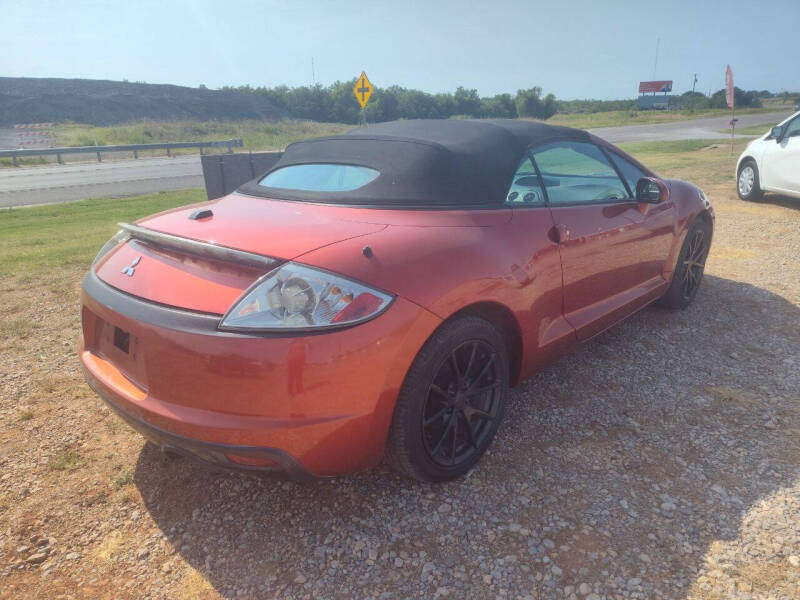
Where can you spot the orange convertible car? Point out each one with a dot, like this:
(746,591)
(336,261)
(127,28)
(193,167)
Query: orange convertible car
(376,293)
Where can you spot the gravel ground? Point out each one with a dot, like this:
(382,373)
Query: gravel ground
(662,460)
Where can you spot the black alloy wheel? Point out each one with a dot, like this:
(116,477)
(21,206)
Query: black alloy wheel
(451,402)
(463,400)
(693,264)
(689,267)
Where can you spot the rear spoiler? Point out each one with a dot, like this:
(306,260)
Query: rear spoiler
(197,248)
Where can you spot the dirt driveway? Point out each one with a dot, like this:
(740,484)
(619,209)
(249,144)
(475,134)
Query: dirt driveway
(660,461)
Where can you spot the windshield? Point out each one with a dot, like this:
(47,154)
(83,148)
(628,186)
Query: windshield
(320,178)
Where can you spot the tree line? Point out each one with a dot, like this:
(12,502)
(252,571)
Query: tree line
(741,99)
(336,103)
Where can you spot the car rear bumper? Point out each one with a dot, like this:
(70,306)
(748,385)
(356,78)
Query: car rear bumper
(313,405)
(215,455)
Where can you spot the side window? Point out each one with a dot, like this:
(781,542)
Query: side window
(792,129)
(578,173)
(525,189)
(630,171)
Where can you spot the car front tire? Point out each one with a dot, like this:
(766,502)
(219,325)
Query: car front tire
(451,402)
(690,266)
(748,185)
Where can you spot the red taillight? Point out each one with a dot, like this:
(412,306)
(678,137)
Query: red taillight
(362,306)
(296,296)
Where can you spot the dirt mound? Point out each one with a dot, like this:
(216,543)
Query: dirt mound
(97,102)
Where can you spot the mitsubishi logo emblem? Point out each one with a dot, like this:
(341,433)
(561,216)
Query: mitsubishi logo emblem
(129,270)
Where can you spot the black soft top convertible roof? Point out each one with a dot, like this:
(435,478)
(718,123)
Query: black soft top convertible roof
(422,163)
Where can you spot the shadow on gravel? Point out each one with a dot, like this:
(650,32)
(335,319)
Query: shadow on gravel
(784,201)
(621,467)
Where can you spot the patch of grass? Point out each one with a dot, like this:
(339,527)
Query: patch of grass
(256,135)
(670,147)
(752,130)
(24,162)
(13,307)
(110,547)
(124,479)
(62,289)
(17,328)
(49,383)
(25,415)
(699,161)
(114,425)
(36,242)
(617,118)
(194,586)
(67,460)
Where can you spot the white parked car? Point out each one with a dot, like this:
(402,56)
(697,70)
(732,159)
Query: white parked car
(771,163)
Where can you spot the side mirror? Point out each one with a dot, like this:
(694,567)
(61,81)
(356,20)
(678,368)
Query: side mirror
(651,190)
(776,133)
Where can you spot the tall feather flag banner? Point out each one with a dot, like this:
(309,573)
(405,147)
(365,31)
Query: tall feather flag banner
(729,97)
(729,87)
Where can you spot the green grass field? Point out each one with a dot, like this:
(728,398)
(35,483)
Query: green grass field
(256,135)
(618,118)
(752,130)
(702,162)
(39,240)
(24,162)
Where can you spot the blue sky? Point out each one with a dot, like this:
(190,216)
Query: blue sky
(573,48)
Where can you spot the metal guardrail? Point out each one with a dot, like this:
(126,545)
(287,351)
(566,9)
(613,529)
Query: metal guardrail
(135,148)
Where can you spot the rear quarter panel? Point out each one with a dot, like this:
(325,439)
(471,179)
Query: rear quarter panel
(511,263)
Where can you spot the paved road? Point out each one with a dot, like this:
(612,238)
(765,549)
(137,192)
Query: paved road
(696,129)
(60,183)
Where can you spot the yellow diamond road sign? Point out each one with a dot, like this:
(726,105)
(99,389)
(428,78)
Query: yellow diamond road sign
(363,90)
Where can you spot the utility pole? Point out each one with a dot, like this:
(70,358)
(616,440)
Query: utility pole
(694,83)
(655,64)
(313,76)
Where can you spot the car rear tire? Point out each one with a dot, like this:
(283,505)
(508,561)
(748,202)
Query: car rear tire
(690,266)
(748,184)
(451,402)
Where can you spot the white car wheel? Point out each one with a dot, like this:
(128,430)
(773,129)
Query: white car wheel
(747,183)
(746,179)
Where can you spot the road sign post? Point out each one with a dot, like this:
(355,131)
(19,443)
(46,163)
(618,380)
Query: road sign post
(730,97)
(363,90)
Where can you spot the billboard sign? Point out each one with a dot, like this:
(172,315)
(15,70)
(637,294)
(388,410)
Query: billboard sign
(654,87)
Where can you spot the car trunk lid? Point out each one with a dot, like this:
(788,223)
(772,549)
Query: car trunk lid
(189,259)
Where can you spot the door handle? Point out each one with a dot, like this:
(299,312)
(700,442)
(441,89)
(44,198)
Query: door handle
(558,233)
